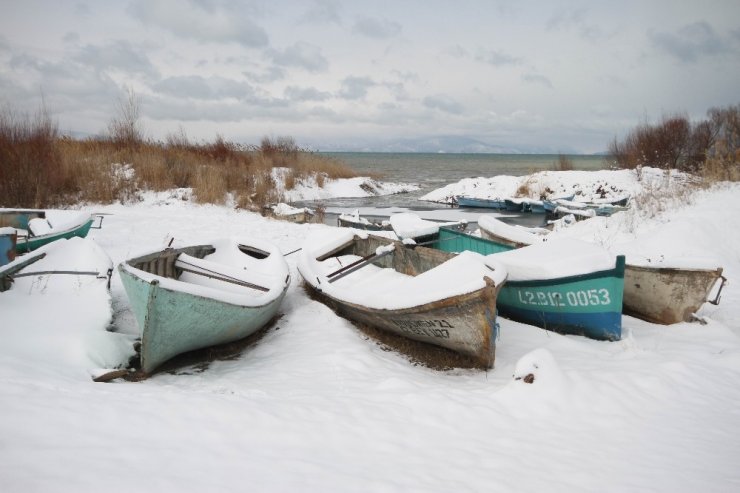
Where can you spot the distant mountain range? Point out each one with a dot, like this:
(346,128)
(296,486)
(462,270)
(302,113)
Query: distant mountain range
(438,144)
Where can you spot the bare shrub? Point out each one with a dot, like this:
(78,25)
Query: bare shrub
(723,156)
(125,128)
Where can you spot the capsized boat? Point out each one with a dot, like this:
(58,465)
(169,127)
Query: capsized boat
(670,291)
(420,293)
(356,221)
(36,227)
(564,285)
(202,295)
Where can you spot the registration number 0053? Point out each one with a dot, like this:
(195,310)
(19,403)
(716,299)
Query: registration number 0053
(590,297)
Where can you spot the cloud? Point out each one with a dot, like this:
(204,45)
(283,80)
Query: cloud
(216,22)
(443,103)
(691,42)
(116,55)
(301,55)
(211,88)
(305,94)
(575,19)
(497,58)
(537,79)
(322,12)
(355,87)
(375,28)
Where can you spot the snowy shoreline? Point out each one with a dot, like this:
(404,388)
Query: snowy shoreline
(315,406)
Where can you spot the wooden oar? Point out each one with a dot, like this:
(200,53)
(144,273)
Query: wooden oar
(358,264)
(218,276)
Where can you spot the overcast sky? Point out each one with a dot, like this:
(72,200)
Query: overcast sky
(558,76)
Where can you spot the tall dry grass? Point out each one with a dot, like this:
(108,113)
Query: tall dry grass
(38,168)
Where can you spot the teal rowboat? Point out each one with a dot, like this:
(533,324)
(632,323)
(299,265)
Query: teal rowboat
(565,285)
(198,296)
(36,230)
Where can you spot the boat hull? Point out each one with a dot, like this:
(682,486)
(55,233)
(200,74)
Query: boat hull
(666,295)
(481,203)
(465,323)
(177,316)
(28,244)
(174,322)
(19,218)
(589,305)
(363,226)
(505,243)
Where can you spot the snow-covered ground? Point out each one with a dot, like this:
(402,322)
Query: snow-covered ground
(315,406)
(586,186)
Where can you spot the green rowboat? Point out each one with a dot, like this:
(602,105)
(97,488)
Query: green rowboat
(198,296)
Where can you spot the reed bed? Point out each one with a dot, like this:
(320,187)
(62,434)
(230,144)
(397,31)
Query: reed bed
(41,169)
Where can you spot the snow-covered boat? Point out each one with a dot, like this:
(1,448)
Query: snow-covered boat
(423,294)
(55,308)
(563,285)
(356,221)
(409,226)
(663,291)
(36,227)
(668,292)
(289,213)
(507,234)
(198,296)
(463,201)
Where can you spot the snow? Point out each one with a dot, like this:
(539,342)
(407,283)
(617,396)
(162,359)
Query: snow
(585,186)
(384,288)
(519,234)
(362,186)
(558,257)
(409,225)
(283,209)
(314,406)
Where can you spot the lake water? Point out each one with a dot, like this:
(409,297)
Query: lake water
(431,171)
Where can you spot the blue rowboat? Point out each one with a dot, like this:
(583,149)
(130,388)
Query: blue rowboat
(36,229)
(483,203)
(538,290)
(199,296)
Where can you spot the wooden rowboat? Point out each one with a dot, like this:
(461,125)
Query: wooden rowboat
(36,228)
(667,295)
(566,286)
(356,221)
(199,296)
(419,293)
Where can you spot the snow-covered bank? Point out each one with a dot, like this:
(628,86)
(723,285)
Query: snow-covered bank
(315,406)
(586,186)
(361,186)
